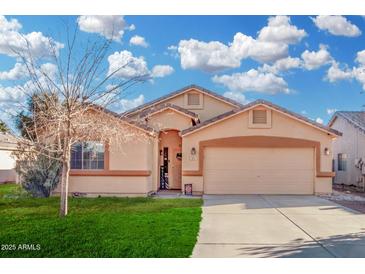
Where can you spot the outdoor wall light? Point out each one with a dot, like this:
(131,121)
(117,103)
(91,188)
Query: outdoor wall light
(326,151)
(193,151)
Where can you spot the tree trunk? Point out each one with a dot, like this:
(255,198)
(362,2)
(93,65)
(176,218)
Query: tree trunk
(65,179)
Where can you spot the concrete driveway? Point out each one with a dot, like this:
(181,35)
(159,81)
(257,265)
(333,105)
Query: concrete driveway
(278,226)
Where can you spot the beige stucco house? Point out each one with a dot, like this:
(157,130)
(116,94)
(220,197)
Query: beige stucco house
(216,145)
(349,150)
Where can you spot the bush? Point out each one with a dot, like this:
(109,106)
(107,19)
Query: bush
(40,176)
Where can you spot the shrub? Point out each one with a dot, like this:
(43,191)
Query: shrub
(40,176)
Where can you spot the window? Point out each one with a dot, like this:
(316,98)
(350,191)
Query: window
(193,99)
(342,161)
(87,155)
(259,117)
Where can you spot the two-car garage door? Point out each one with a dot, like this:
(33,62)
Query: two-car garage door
(258,170)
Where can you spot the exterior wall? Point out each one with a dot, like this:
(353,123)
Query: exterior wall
(129,170)
(211,106)
(352,142)
(132,155)
(111,185)
(282,126)
(169,119)
(7,165)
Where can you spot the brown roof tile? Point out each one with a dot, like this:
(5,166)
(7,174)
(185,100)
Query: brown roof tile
(159,107)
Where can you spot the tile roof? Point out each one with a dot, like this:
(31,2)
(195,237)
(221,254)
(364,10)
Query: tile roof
(8,141)
(125,119)
(260,102)
(177,92)
(159,107)
(355,118)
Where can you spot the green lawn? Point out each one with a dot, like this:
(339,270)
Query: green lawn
(97,227)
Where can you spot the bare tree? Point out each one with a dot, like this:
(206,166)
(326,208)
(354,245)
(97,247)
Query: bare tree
(69,102)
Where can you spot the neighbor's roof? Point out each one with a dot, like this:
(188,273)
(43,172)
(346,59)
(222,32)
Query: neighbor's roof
(162,107)
(178,92)
(355,118)
(8,141)
(253,104)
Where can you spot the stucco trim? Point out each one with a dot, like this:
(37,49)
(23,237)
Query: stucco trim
(263,142)
(132,173)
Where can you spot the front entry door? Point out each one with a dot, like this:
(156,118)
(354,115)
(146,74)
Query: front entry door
(176,168)
(170,160)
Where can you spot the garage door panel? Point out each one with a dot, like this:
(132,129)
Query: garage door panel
(258,171)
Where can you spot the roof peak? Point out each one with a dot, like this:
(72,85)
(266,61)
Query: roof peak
(179,91)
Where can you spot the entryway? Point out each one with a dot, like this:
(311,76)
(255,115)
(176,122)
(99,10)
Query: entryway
(170,160)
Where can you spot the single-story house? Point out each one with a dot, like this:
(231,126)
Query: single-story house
(200,139)
(7,163)
(349,150)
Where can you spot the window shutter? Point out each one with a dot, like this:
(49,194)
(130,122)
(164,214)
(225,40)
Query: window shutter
(259,117)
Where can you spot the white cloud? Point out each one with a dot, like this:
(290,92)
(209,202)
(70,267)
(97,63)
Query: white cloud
(319,120)
(49,69)
(315,59)
(109,26)
(237,96)
(330,111)
(11,94)
(336,25)
(126,104)
(244,46)
(360,57)
(172,48)
(137,40)
(335,73)
(206,56)
(280,30)
(9,25)
(253,80)
(281,65)
(125,65)
(13,42)
(271,45)
(16,73)
(161,71)
(359,74)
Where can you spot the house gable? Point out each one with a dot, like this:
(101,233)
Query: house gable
(169,118)
(205,103)
(261,105)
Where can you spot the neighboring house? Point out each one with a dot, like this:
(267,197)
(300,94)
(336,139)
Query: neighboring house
(7,162)
(216,145)
(349,150)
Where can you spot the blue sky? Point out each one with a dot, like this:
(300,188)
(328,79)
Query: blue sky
(311,65)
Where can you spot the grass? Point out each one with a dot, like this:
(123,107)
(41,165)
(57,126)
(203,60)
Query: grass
(97,227)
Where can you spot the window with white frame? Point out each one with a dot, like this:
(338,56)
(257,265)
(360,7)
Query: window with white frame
(87,155)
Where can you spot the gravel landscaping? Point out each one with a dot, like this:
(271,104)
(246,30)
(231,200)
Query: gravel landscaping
(348,198)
